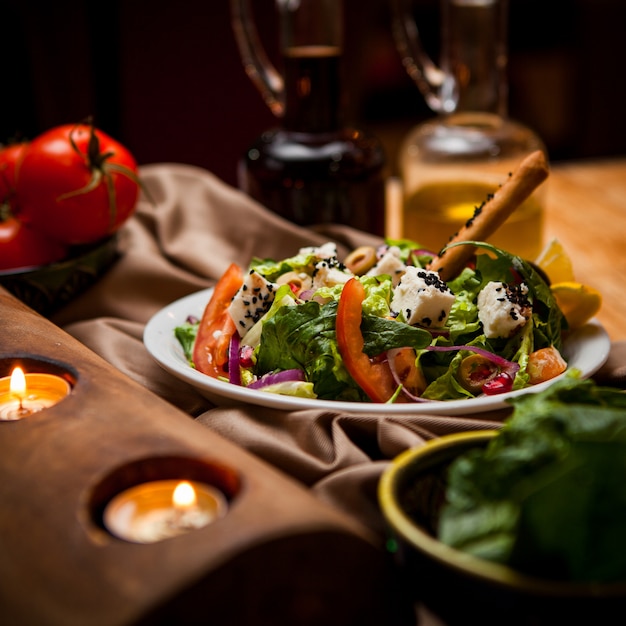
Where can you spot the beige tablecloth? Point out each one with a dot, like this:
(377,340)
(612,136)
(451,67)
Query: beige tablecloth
(181,243)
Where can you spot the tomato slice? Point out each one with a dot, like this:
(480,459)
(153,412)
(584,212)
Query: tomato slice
(375,379)
(210,351)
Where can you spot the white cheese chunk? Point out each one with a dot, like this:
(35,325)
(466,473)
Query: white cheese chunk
(503,309)
(391,264)
(325,251)
(421,297)
(329,273)
(251,302)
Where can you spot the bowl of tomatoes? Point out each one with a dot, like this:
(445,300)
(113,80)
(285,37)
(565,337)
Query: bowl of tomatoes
(64,196)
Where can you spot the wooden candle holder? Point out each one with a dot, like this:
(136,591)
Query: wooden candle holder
(279,556)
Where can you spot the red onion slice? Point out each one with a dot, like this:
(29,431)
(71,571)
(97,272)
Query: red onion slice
(278,377)
(503,381)
(234,373)
(510,367)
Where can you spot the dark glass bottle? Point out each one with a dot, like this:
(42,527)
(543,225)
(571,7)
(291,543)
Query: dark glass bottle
(312,168)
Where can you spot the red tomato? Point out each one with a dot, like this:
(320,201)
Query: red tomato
(21,246)
(76,184)
(210,352)
(9,157)
(375,379)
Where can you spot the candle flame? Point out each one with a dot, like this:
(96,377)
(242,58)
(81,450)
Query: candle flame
(184,496)
(17,385)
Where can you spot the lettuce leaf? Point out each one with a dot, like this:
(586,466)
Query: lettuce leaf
(303,337)
(546,495)
(186,335)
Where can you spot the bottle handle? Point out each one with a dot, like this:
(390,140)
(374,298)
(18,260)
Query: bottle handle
(266,78)
(436,85)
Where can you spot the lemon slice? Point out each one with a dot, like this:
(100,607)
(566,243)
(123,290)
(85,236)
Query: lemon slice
(579,303)
(556,263)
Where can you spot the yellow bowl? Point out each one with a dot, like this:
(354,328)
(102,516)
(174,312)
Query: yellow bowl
(458,587)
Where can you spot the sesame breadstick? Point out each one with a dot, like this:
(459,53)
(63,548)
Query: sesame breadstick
(532,171)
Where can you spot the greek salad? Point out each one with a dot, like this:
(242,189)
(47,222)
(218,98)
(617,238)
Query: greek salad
(379,326)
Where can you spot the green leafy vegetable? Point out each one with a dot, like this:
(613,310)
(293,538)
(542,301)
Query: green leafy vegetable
(295,333)
(186,335)
(546,495)
(303,337)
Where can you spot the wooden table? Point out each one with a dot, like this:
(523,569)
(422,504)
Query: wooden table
(586,211)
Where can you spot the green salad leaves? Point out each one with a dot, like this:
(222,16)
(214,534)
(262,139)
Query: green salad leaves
(298,332)
(546,496)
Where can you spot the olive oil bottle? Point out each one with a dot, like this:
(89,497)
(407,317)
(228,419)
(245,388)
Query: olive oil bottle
(451,164)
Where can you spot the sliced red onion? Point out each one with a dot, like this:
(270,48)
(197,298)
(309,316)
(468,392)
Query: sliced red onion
(503,381)
(510,367)
(423,252)
(234,373)
(278,377)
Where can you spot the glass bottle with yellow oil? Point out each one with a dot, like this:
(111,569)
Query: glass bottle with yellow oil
(451,164)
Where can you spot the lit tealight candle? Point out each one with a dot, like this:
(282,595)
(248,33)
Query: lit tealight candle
(160,509)
(22,394)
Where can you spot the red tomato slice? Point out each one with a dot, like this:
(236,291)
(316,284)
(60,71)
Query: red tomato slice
(375,379)
(210,352)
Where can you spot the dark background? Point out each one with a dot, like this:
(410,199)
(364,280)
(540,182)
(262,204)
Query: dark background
(165,78)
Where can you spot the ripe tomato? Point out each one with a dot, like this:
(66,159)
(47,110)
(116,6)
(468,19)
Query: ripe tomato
(375,379)
(210,352)
(10,156)
(21,246)
(76,184)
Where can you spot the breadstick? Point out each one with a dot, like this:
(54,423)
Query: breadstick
(531,172)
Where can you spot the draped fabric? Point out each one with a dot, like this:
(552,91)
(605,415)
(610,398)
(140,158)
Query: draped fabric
(181,242)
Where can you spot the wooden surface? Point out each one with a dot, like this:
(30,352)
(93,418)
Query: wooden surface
(586,211)
(279,556)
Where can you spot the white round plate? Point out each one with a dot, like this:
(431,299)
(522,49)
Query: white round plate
(586,349)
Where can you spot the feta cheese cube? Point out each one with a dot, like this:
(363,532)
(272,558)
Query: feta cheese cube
(251,302)
(422,298)
(503,309)
(329,273)
(325,251)
(391,264)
